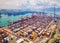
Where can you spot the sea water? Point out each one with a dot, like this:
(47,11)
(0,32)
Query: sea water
(5,18)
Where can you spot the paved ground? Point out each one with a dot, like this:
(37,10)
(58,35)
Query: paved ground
(57,33)
(14,40)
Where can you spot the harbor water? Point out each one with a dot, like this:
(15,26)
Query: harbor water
(5,18)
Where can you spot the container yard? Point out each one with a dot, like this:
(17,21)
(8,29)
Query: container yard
(29,21)
(34,29)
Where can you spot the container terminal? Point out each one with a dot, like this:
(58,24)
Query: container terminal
(34,29)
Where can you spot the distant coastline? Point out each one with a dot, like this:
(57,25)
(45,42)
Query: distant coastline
(14,15)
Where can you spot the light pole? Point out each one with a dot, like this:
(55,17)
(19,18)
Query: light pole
(54,11)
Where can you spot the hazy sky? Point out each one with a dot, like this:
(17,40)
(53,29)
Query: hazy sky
(28,4)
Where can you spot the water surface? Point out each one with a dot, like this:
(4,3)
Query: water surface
(5,18)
